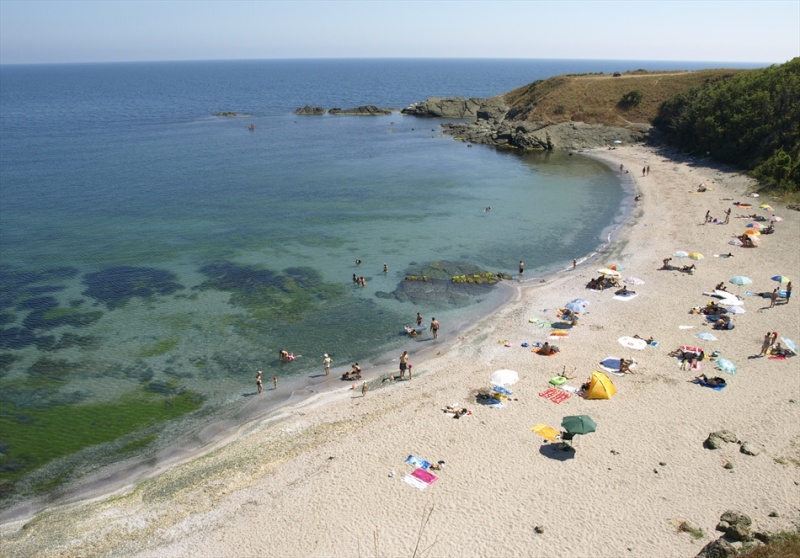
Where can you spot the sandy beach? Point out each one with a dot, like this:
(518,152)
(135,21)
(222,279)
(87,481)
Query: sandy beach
(325,478)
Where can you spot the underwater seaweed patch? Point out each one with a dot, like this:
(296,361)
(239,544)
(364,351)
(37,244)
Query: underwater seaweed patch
(115,286)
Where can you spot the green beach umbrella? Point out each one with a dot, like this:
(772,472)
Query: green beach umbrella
(578,424)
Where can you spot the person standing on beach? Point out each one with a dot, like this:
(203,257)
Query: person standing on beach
(574,264)
(259,385)
(364,389)
(773,298)
(275,382)
(788,291)
(727,215)
(404,365)
(766,344)
(435,328)
(648,170)
(644,171)
(708,215)
(521,268)
(326,364)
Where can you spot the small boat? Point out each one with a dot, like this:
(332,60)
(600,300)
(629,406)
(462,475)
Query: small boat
(251,127)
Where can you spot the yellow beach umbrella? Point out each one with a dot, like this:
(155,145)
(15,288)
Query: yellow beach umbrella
(765,206)
(696,256)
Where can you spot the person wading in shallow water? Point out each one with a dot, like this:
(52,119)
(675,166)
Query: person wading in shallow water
(435,328)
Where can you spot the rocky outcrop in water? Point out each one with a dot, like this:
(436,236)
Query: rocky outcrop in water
(366,110)
(308,110)
(227,114)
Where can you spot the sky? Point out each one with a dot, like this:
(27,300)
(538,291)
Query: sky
(68,31)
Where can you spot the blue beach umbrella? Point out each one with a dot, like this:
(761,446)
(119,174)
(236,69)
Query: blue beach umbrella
(726,366)
(575,307)
(740,280)
(681,254)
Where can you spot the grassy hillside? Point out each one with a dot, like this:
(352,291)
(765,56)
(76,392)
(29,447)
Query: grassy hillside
(596,98)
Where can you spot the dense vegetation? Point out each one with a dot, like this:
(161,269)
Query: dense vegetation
(750,120)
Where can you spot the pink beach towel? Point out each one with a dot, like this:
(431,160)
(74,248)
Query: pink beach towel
(420,479)
(777,357)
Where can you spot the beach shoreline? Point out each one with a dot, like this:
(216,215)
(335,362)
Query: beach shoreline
(325,459)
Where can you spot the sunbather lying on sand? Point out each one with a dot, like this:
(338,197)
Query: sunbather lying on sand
(457,412)
(713,382)
(625,365)
(648,340)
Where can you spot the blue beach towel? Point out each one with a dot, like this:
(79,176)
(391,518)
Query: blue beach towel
(701,383)
(501,389)
(417,462)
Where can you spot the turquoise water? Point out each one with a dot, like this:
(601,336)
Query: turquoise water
(146,244)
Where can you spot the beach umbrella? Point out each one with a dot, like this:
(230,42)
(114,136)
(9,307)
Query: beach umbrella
(740,280)
(681,254)
(633,281)
(616,267)
(504,377)
(765,206)
(706,336)
(575,307)
(754,225)
(578,424)
(735,309)
(609,272)
(633,343)
(791,345)
(752,232)
(781,279)
(696,256)
(726,366)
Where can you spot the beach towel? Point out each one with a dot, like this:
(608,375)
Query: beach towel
(571,389)
(704,384)
(548,393)
(777,357)
(417,462)
(653,343)
(628,296)
(560,397)
(501,389)
(420,479)
(547,432)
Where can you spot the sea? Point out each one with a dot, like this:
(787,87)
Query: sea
(155,256)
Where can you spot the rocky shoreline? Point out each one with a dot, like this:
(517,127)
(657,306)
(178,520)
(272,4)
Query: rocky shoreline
(489,121)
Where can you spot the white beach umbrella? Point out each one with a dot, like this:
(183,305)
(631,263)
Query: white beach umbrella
(633,343)
(504,377)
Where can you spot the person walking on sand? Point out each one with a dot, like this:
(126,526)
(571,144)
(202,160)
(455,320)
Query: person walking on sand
(727,215)
(404,365)
(773,297)
(364,389)
(326,363)
(574,264)
(275,382)
(435,328)
(259,385)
